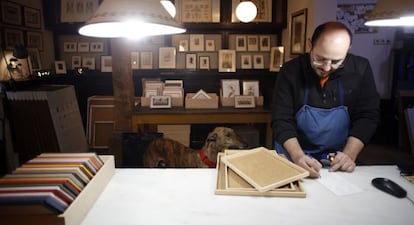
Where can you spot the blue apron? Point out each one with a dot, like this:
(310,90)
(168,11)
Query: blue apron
(321,131)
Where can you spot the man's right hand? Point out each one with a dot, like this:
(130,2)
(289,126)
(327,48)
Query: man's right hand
(310,164)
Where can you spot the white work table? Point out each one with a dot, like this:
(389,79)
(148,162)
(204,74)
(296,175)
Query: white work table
(186,196)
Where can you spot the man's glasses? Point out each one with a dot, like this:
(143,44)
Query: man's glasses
(335,64)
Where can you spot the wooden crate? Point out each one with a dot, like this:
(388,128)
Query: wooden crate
(211,103)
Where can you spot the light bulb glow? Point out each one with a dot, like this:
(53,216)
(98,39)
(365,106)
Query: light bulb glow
(246,11)
(403,21)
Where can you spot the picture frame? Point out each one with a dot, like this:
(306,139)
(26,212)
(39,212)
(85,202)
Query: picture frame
(35,64)
(34,40)
(183,45)
(244,101)
(76,62)
(11,13)
(210,45)
(298,32)
(204,62)
(264,43)
(241,43)
(191,61)
(146,60)
(264,11)
(166,58)
(88,62)
(196,11)
(60,67)
(83,46)
(134,60)
(106,63)
(77,10)
(230,87)
(277,57)
(246,61)
(251,87)
(159,101)
(70,46)
(349,13)
(96,46)
(258,62)
(13,37)
(227,60)
(32,17)
(196,42)
(252,43)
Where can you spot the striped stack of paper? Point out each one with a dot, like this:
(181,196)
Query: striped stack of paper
(47,184)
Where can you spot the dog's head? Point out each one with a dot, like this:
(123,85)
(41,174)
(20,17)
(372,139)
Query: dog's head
(224,138)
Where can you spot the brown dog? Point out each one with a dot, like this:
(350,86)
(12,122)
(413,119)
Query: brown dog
(165,152)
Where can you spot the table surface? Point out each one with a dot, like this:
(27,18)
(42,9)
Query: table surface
(181,110)
(186,196)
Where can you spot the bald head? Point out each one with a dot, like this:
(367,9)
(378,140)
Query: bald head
(327,28)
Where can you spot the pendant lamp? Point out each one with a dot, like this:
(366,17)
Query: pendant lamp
(246,11)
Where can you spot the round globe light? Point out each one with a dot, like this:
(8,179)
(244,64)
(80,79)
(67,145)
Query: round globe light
(246,11)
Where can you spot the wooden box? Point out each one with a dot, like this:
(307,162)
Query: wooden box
(175,102)
(229,101)
(211,103)
(77,211)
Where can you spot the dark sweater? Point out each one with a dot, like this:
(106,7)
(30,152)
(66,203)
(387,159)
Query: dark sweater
(360,96)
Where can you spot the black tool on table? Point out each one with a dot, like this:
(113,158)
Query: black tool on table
(390,187)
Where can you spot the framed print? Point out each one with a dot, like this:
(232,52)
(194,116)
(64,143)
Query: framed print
(96,47)
(11,13)
(246,61)
(106,63)
(76,61)
(264,41)
(251,87)
(252,43)
(264,11)
(183,46)
(276,58)
(230,87)
(298,32)
(196,42)
(210,46)
(34,40)
(146,60)
(34,59)
(227,61)
(70,46)
(88,62)
(160,101)
(83,46)
(12,38)
(32,17)
(77,10)
(244,101)
(241,43)
(204,62)
(134,60)
(195,11)
(191,61)
(166,58)
(60,67)
(354,17)
(258,62)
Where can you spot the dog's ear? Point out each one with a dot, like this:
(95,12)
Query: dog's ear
(212,137)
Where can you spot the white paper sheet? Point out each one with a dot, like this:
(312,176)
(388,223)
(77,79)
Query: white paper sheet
(337,184)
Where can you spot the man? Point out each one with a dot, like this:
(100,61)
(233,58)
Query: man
(325,103)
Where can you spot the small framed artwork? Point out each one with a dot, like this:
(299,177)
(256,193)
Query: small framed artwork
(60,67)
(246,61)
(134,60)
(244,101)
(251,87)
(11,13)
(241,43)
(34,40)
(32,17)
(146,60)
(230,87)
(252,43)
(196,42)
(106,63)
(12,38)
(83,46)
(264,41)
(190,61)
(34,59)
(298,32)
(227,61)
(166,58)
(96,47)
(88,62)
(76,61)
(258,62)
(204,62)
(159,101)
(77,10)
(210,45)
(276,58)
(70,46)
(183,46)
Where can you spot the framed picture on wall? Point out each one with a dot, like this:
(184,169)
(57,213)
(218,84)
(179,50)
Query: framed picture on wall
(11,13)
(12,38)
(191,61)
(210,45)
(34,40)
(258,62)
(166,58)
(76,61)
(134,60)
(298,32)
(251,87)
(252,43)
(183,45)
(194,11)
(264,42)
(146,60)
(241,43)
(70,47)
(227,61)
(96,46)
(34,59)
(60,67)
(246,61)
(32,17)
(196,42)
(204,62)
(88,62)
(276,58)
(83,46)
(77,10)
(230,87)
(106,63)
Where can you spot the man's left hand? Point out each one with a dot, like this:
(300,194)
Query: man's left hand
(342,162)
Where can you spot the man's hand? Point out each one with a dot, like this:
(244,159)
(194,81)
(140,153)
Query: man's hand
(342,162)
(310,164)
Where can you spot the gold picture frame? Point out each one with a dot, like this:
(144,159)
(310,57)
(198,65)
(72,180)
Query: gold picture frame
(277,57)
(227,60)
(298,32)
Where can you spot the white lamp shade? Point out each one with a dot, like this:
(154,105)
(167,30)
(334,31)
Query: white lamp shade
(246,11)
(392,13)
(131,19)
(170,7)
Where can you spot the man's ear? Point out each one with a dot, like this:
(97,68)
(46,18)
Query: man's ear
(309,44)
